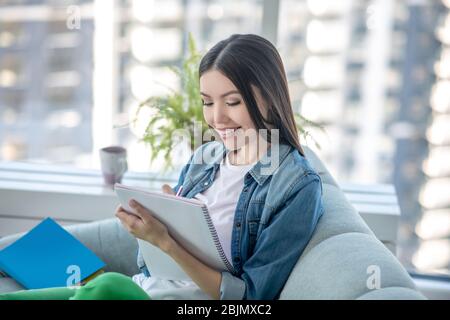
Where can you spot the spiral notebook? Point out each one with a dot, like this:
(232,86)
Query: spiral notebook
(188,222)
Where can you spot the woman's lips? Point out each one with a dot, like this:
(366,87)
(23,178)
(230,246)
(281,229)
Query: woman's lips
(227,133)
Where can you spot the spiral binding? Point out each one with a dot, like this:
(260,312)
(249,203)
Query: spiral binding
(216,240)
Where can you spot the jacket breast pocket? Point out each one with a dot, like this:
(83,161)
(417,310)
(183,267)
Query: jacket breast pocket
(254,213)
(252,234)
(255,210)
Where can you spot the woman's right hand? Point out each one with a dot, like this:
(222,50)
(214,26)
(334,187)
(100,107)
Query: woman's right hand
(167,189)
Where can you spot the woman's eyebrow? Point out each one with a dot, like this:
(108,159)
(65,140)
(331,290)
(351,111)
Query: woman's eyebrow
(223,95)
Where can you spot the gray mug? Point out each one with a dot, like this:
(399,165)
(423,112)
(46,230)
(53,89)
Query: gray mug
(114,164)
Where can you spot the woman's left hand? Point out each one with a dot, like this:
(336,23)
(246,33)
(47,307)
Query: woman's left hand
(143,225)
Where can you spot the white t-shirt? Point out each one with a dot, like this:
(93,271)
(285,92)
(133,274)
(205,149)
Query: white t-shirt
(221,199)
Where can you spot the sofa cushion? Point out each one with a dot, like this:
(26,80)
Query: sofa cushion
(394,293)
(9,285)
(339,217)
(319,167)
(340,267)
(111,242)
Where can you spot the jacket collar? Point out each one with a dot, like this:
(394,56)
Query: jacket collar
(270,162)
(264,168)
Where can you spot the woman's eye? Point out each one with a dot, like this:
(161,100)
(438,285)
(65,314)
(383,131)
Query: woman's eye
(233,103)
(207,104)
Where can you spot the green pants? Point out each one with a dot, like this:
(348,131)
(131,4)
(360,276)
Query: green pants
(107,286)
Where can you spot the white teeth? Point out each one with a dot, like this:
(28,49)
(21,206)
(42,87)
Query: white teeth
(227,132)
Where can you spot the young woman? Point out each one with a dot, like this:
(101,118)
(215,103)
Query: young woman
(263,196)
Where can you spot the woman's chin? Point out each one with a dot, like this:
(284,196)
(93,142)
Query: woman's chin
(231,145)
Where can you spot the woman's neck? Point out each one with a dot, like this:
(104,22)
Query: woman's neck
(247,154)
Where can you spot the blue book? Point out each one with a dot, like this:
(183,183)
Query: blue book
(48,256)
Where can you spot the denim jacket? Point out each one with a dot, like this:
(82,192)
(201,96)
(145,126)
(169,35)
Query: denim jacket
(276,214)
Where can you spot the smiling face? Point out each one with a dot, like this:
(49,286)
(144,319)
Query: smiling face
(224,110)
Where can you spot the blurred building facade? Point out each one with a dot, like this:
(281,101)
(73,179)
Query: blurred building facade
(153,35)
(45,81)
(433,228)
(366,71)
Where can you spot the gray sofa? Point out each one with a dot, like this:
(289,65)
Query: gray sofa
(340,261)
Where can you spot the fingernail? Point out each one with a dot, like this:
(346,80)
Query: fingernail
(132,203)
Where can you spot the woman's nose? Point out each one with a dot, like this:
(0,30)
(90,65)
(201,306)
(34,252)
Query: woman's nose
(220,115)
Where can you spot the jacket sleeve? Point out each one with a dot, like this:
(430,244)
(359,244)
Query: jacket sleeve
(279,245)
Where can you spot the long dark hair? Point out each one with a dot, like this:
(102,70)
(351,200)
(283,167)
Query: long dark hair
(248,59)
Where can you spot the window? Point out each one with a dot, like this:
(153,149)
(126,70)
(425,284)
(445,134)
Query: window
(73,72)
(45,82)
